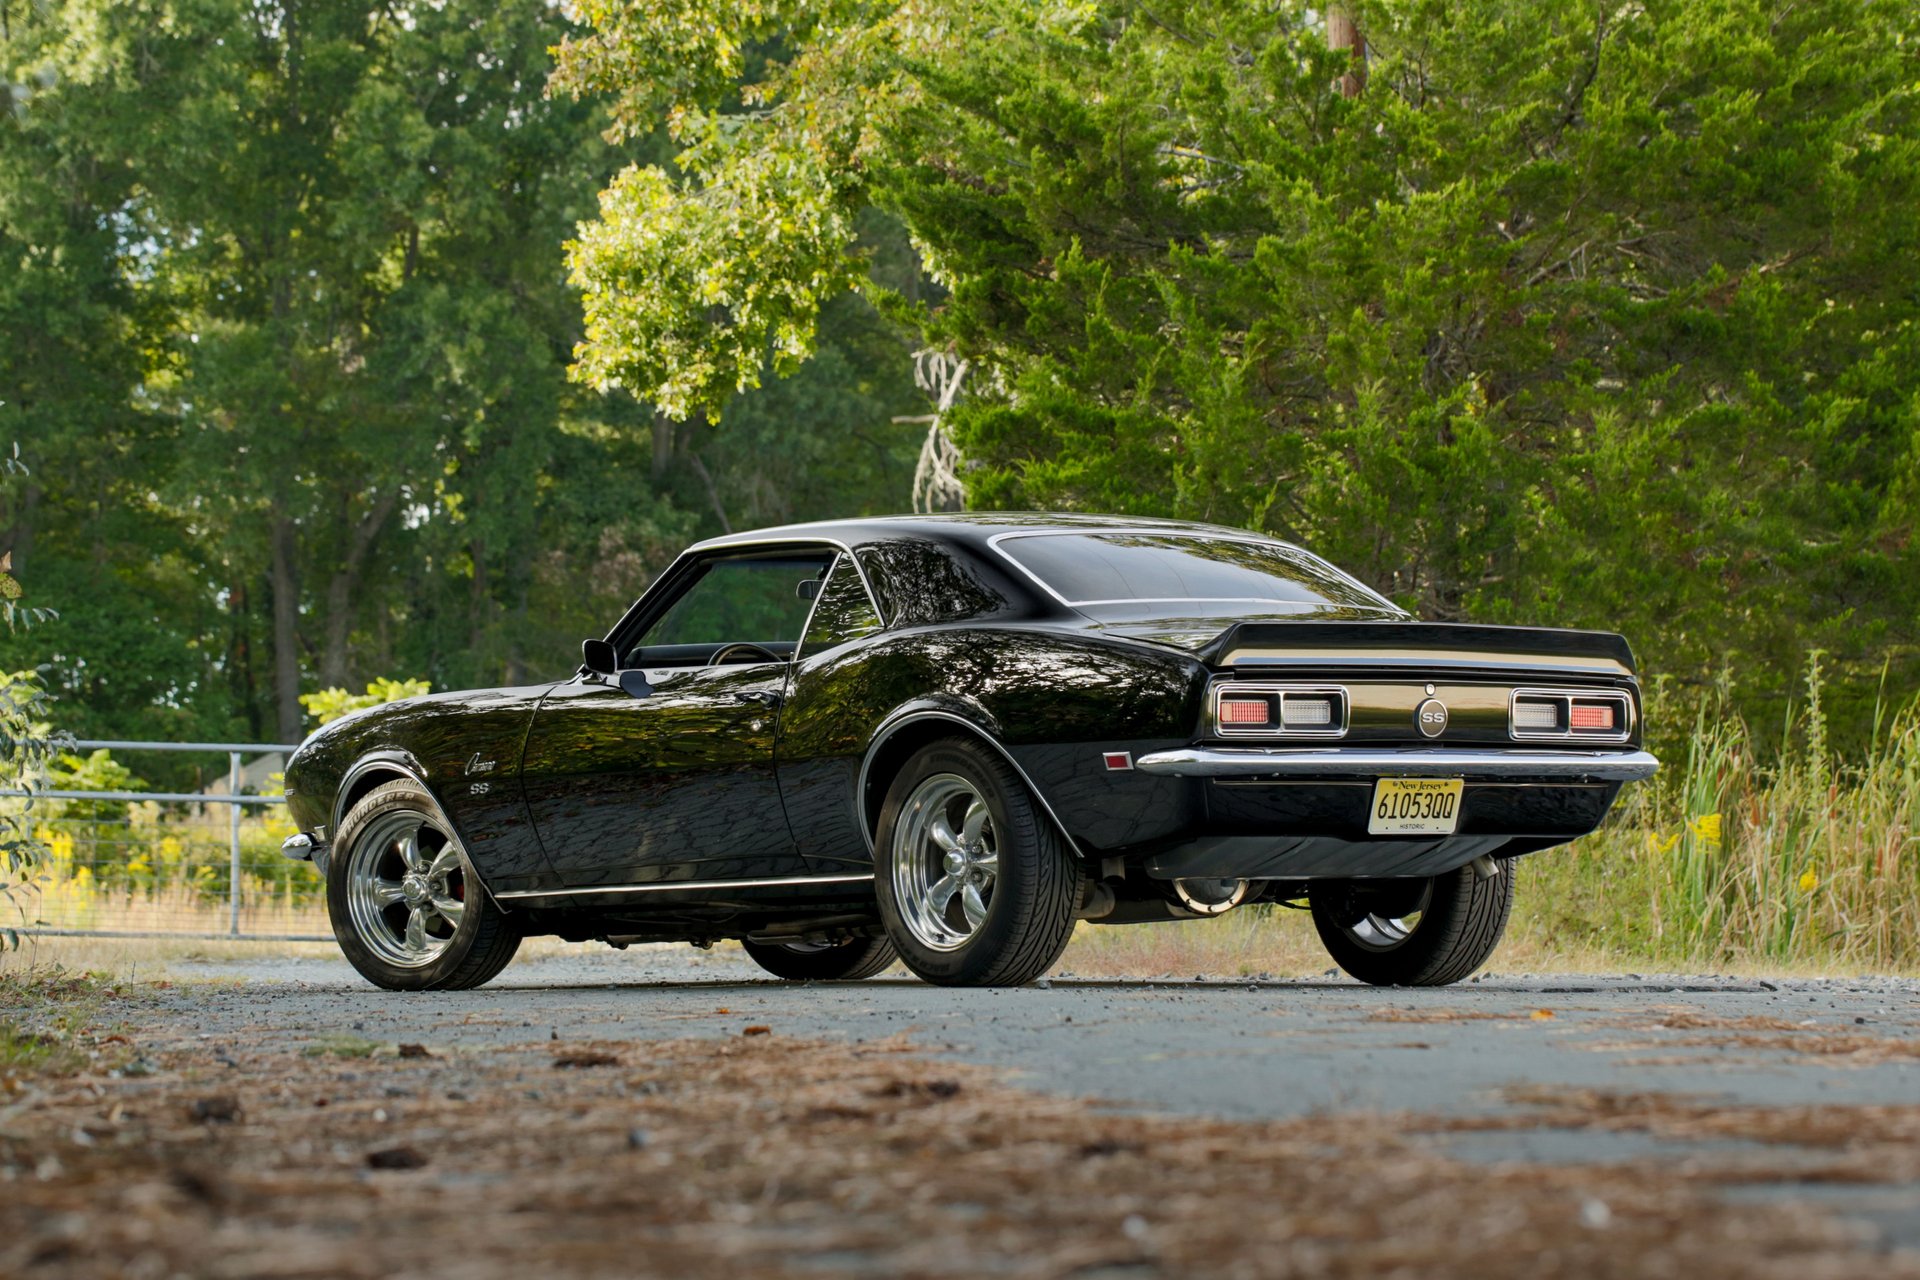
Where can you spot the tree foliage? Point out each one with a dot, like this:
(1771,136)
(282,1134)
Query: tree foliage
(285,322)
(1578,313)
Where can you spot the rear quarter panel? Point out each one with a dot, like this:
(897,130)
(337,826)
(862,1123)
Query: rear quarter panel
(1057,700)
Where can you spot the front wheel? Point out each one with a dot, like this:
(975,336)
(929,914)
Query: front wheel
(821,961)
(406,907)
(1425,932)
(976,887)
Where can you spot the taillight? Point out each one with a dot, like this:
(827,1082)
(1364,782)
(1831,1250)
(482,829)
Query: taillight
(1553,713)
(1300,712)
(1246,711)
(1536,713)
(1243,709)
(1592,715)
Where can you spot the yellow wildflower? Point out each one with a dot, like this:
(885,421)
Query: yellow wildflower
(1662,847)
(1707,827)
(1809,881)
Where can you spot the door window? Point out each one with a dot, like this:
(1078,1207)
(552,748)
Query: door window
(758,598)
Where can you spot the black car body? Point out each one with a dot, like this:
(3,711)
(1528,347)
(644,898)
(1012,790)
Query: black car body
(1203,717)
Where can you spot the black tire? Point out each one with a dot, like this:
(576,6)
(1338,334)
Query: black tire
(825,962)
(1028,905)
(1461,917)
(463,954)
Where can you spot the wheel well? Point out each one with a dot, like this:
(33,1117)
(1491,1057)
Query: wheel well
(376,776)
(893,754)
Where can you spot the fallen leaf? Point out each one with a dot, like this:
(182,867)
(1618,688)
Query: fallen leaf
(1542,1015)
(587,1058)
(757,1029)
(220,1109)
(396,1158)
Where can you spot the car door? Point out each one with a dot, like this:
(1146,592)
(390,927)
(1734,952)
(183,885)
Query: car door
(672,778)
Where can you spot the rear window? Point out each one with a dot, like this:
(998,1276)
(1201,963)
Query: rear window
(1114,568)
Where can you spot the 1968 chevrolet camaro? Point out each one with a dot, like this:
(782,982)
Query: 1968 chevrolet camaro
(947,739)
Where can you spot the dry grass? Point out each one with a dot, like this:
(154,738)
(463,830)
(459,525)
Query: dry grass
(761,1155)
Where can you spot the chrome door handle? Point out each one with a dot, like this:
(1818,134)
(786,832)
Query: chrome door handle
(765,697)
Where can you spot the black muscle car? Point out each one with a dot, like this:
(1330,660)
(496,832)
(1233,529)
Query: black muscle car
(947,739)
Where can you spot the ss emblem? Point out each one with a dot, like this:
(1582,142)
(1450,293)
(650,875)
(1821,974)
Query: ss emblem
(1431,716)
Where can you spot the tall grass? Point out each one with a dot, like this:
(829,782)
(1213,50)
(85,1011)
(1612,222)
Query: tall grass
(1745,858)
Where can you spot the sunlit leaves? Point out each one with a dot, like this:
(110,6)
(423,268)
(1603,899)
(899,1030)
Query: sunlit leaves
(693,287)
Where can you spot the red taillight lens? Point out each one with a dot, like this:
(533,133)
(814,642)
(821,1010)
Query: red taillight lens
(1592,715)
(1245,711)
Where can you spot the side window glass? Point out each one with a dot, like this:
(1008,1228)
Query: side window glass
(756,599)
(844,612)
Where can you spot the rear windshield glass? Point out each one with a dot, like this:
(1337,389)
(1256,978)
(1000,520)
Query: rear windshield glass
(1110,568)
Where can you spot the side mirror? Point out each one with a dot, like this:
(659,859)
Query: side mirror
(599,657)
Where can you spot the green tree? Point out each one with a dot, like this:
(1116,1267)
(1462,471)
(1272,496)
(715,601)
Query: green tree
(1576,313)
(292,327)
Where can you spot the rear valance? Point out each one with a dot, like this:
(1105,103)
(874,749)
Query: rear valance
(1422,645)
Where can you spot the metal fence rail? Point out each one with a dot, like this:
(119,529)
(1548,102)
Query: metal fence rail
(116,889)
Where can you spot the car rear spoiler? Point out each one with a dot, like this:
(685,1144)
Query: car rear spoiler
(1420,645)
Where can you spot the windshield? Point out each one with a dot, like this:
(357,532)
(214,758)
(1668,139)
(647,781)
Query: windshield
(1129,568)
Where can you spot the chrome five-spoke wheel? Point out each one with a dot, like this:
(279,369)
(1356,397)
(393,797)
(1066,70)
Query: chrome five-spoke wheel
(406,904)
(946,859)
(975,887)
(407,888)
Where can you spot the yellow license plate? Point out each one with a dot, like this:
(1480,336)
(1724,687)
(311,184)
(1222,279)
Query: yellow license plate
(1415,807)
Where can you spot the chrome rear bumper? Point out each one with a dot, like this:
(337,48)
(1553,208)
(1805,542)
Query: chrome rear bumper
(1494,764)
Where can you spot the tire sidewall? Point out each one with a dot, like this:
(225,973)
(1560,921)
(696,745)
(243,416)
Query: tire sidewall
(840,963)
(1435,954)
(1014,823)
(388,798)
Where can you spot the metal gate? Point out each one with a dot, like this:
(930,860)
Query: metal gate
(171,864)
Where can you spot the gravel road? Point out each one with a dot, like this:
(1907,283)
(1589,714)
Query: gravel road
(1487,1070)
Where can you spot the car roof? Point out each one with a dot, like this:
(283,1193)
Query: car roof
(973,529)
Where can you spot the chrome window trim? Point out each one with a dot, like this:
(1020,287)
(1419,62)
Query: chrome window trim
(1220,688)
(667,886)
(1193,535)
(1623,734)
(722,548)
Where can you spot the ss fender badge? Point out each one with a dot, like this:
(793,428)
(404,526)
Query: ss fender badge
(1431,716)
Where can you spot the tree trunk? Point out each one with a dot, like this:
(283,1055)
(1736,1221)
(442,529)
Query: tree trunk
(479,607)
(343,588)
(662,445)
(286,634)
(20,536)
(1343,34)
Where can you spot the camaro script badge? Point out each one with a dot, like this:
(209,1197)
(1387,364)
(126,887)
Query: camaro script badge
(1431,716)
(477,765)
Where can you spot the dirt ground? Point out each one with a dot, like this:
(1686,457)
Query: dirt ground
(228,1129)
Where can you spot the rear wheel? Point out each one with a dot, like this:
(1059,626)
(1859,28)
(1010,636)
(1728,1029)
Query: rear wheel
(976,887)
(822,961)
(406,907)
(1425,932)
